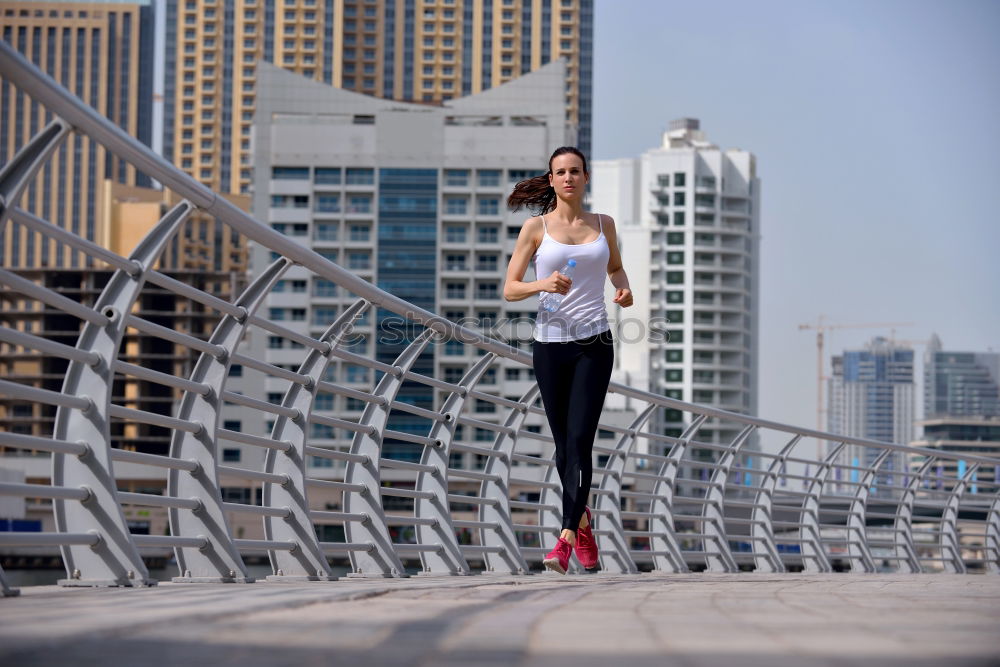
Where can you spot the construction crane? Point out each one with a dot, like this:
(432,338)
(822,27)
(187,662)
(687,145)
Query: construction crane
(821,328)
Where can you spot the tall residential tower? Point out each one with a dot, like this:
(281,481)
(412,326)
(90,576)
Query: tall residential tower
(688,217)
(103,53)
(427,51)
(871,394)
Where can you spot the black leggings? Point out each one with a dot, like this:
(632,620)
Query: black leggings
(573,378)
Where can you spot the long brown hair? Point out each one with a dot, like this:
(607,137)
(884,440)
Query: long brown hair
(535,193)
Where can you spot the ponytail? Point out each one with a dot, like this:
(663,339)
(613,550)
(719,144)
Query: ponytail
(535,193)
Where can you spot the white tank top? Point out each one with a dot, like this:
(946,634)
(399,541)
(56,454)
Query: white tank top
(582,313)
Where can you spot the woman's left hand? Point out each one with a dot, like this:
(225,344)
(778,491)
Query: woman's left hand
(623,297)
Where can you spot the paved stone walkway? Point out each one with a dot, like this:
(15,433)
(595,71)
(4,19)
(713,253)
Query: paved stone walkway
(691,620)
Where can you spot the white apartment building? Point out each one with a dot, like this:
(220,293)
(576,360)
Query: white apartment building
(688,217)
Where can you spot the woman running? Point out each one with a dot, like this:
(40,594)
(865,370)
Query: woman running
(573,347)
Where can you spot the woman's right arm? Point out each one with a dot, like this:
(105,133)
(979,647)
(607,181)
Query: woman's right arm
(514,287)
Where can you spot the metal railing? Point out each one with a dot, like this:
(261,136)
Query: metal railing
(663,501)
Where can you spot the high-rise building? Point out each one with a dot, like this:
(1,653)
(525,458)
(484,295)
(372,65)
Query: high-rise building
(688,219)
(103,53)
(871,394)
(427,51)
(961,411)
(965,434)
(960,384)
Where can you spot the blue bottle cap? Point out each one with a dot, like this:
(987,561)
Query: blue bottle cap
(571,262)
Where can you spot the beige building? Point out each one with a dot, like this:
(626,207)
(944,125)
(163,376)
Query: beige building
(425,51)
(103,53)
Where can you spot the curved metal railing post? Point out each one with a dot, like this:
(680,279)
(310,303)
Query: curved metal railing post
(906,550)
(713,512)
(308,561)
(667,554)
(381,560)
(761,526)
(22,168)
(217,560)
(814,558)
(115,559)
(448,559)
(504,556)
(857,548)
(991,543)
(949,524)
(618,559)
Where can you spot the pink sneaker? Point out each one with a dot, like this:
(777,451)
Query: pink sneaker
(586,545)
(558,558)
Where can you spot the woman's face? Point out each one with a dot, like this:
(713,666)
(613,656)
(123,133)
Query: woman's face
(567,177)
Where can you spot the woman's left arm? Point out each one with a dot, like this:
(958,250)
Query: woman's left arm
(616,272)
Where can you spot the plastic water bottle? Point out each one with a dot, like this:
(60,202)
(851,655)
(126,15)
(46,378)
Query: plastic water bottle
(551,301)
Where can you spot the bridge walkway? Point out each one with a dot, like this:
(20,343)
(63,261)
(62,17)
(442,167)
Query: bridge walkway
(687,620)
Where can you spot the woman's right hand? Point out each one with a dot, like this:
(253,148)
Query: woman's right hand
(557,283)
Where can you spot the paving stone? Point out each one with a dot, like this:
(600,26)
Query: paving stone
(691,620)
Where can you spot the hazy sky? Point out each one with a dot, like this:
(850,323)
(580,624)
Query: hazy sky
(876,126)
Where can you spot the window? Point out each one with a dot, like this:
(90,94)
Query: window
(486,263)
(663,180)
(675,277)
(291,228)
(325,231)
(455,291)
(675,316)
(678,218)
(456,177)
(326,203)
(675,238)
(674,296)
(359,204)
(675,258)
(675,356)
(455,234)
(236,371)
(485,406)
(455,263)
(678,199)
(488,178)
(675,375)
(679,179)
(289,201)
(488,234)
(360,176)
(488,290)
(231,455)
(675,336)
(275,342)
(456,205)
(233,425)
(327,176)
(323,287)
(360,233)
(324,316)
(359,260)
